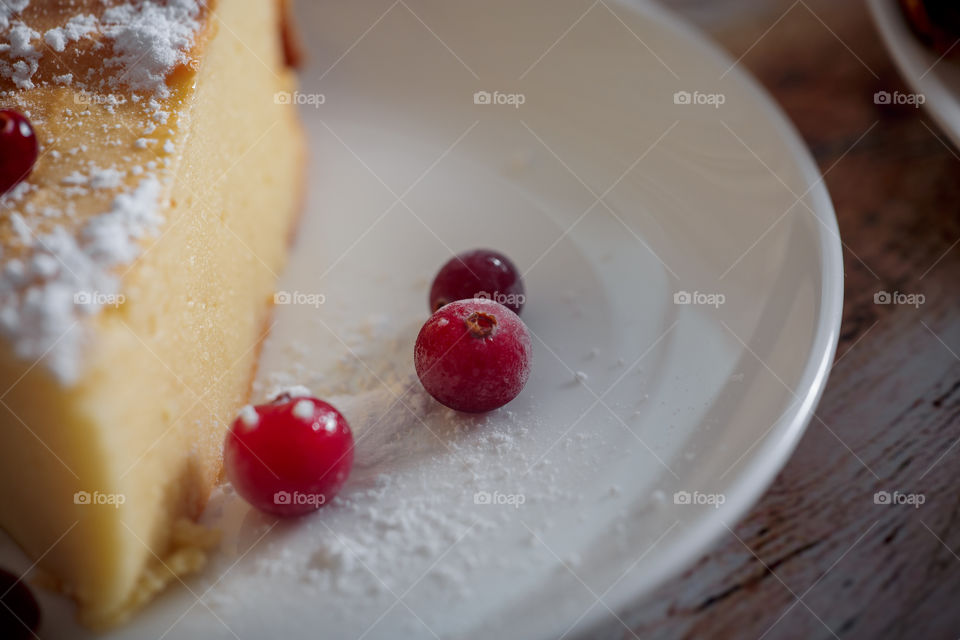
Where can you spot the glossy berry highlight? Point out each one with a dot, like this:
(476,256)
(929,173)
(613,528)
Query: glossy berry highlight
(18,149)
(290,456)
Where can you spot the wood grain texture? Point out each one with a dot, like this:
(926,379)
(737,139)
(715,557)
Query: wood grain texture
(816,557)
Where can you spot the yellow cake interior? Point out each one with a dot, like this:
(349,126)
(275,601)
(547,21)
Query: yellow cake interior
(158,375)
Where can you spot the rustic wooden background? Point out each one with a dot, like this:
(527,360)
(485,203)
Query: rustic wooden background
(817,558)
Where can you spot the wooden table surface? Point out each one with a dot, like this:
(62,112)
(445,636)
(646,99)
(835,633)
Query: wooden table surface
(816,557)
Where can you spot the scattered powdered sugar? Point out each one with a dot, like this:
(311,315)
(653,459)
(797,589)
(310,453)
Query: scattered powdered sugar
(430,493)
(79,26)
(21,229)
(97,178)
(65,269)
(113,237)
(415,494)
(303,410)
(69,277)
(19,46)
(10,8)
(148,39)
(249,417)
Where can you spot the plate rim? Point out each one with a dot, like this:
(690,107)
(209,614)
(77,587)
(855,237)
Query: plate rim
(770,457)
(908,53)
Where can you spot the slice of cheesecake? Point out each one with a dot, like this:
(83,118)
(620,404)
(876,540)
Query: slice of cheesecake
(137,264)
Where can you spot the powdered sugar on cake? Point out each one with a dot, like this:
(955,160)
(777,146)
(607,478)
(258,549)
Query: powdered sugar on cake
(10,8)
(149,40)
(77,27)
(139,44)
(94,82)
(67,277)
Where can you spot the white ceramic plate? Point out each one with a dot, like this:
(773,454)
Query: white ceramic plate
(936,78)
(718,200)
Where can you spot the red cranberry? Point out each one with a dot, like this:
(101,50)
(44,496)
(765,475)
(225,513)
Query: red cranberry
(18,149)
(289,457)
(473,355)
(480,273)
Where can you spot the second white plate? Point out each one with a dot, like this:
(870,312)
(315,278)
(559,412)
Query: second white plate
(931,75)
